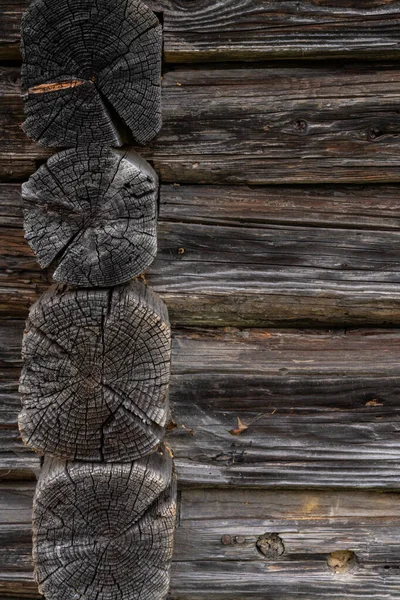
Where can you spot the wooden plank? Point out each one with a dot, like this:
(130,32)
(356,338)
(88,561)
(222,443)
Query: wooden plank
(310,525)
(321,408)
(258,126)
(258,29)
(251,257)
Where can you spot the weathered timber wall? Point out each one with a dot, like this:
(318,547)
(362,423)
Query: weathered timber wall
(278,208)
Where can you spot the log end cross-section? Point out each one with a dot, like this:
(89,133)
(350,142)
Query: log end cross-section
(91,213)
(96,371)
(105,531)
(91,69)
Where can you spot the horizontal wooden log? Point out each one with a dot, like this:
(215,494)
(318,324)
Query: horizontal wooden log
(315,408)
(258,126)
(221,528)
(95,377)
(251,256)
(259,30)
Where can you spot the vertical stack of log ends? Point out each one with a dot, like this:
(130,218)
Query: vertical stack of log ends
(97,344)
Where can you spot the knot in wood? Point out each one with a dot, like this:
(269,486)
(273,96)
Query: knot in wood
(91,213)
(270,545)
(342,561)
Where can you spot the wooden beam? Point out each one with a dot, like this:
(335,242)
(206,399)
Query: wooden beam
(92,213)
(221,527)
(258,30)
(96,366)
(85,80)
(241,256)
(258,126)
(123,515)
(317,408)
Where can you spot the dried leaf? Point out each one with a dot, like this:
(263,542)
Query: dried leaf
(240,428)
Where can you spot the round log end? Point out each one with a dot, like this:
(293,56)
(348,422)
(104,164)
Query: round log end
(91,72)
(96,371)
(105,530)
(92,214)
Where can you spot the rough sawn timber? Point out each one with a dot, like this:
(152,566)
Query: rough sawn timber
(320,407)
(105,530)
(88,67)
(258,29)
(92,212)
(96,366)
(316,124)
(251,256)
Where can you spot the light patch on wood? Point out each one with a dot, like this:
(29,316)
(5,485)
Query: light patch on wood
(44,88)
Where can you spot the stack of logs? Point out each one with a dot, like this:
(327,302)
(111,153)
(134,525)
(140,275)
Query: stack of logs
(97,344)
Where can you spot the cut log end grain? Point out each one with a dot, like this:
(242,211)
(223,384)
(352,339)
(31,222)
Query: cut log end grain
(91,71)
(92,212)
(96,372)
(105,531)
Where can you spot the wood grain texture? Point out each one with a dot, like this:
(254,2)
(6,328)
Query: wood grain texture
(88,69)
(252,256)
(319,408)
(258,29)
(105,530)
(92,212)
(96,365)
(223,526)
(260,125)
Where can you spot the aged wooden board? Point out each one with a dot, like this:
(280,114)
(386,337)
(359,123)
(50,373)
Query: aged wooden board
(257,29)
(258,126)
(316,408)
(251,256)
(217,535)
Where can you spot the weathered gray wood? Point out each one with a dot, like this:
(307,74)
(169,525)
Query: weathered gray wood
(96,372)
(222,526)
(265,125)
(321,408)
(259,257)
(92,212)
(105,530)
(256,29)
(89,68)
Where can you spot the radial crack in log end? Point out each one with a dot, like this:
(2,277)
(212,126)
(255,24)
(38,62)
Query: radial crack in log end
(92,212)
(96,371)
(113,49)
(105,531)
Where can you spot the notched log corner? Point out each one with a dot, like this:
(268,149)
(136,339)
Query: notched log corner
(92,213)
(105,530)
(91,71)
(96,372)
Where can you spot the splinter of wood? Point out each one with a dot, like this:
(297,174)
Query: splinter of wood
(105,530)
(96,372)
(92,213)
(90,69)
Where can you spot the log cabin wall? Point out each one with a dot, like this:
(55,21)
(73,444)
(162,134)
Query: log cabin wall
(279,256)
